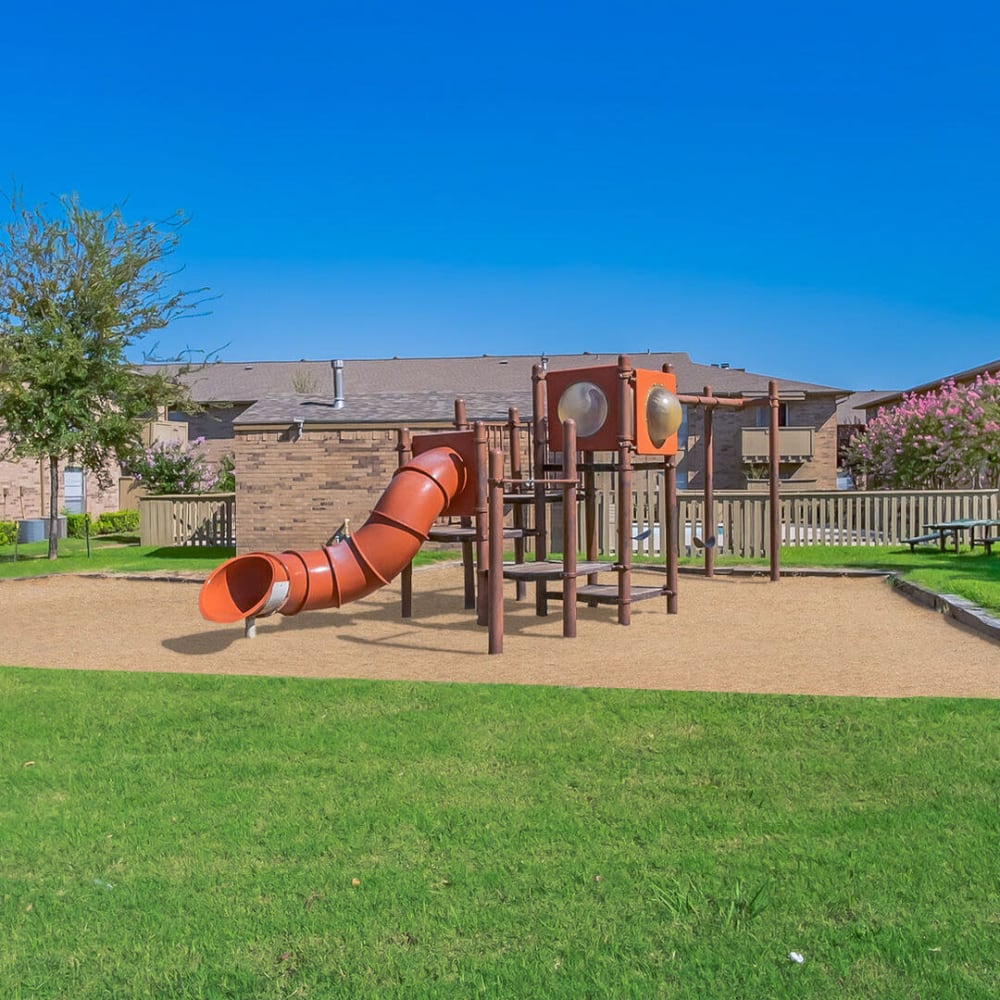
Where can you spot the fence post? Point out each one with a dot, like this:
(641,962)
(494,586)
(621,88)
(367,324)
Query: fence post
(708,519)
(774,459)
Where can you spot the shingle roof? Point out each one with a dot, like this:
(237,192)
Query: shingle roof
(248,381)
(425,388)
(853,408)
(968,375)
(384,407)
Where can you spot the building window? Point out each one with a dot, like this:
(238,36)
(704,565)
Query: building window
(74,491)
(762,415)
(682,447)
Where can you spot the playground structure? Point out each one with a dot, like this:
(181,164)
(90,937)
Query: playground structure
(578,414)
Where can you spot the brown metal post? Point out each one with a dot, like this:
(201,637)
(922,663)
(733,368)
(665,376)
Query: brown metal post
(495,573)
(774,468)
(516,475)
(669,500)
(482,523)
(708,519)
(624,493)
(590,516)
(569,529)
(540,429)
(514,426)
(468,567)
(723,401)
(404,450)
(671,529)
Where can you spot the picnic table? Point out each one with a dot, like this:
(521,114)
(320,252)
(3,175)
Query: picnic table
(957,527)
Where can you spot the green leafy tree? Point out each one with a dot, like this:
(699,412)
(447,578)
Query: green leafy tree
(78,289)
(226,474)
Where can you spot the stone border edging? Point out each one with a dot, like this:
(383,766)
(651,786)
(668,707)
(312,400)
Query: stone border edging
(962,611)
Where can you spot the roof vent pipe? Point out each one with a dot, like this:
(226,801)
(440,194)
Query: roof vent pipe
(338,384)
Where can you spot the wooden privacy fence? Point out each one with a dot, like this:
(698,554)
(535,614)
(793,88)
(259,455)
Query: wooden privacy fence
(188,519)
(740,518)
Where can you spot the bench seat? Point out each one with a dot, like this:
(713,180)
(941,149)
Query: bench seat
(987,543)
(933,536)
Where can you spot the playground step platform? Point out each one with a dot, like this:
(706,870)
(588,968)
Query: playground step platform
(550,570)
(456,533)
(551,496)
(601,593)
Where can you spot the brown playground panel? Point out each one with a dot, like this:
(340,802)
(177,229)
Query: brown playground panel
(799,636)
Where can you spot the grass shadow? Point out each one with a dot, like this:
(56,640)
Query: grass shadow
(210,553)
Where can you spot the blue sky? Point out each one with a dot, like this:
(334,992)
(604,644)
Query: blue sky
(804,190)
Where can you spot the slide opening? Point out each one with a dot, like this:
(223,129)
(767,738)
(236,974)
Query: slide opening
(237,589)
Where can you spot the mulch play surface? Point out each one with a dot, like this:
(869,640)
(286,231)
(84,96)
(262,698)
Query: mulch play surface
(830,636)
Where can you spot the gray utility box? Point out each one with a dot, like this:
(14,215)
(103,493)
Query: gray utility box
(36,529)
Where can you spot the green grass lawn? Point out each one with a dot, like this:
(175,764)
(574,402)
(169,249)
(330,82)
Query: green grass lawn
(188,836)
(123,554)
(108,554)
(971,573)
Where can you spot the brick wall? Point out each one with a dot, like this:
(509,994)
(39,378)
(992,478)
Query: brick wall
(20,489)
(24,490)
(294,494)
(98,501)
(821,414)
(730,474)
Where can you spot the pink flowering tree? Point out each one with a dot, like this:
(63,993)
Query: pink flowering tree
(173,467)
(947,438)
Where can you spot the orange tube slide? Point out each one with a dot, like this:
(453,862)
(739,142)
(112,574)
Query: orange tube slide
(261,583)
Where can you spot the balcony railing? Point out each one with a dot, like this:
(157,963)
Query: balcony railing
(795,444)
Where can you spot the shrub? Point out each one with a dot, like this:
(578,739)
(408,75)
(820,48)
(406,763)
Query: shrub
(76,525)
(226,474)
(118,523)
(172,467)
(8,532)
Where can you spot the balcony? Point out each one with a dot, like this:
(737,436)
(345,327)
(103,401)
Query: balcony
(795,444)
